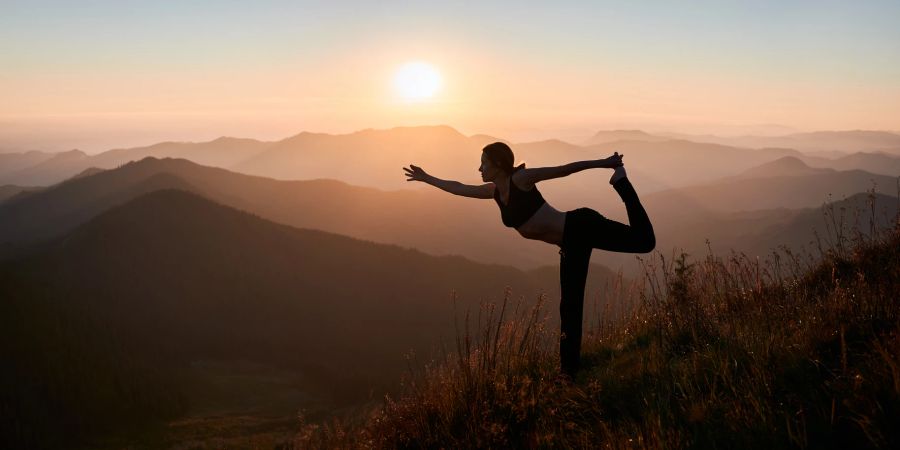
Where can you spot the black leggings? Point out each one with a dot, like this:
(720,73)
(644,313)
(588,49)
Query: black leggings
(585,230)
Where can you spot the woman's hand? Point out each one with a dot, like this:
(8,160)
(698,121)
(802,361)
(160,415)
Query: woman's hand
(613,161)
(415,173)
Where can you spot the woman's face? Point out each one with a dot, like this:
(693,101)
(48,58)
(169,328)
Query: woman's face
(487,169)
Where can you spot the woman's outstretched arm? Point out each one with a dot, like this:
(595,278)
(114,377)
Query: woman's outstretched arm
(530,176)
(415,173)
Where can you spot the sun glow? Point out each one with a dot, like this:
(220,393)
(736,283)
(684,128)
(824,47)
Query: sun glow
(417,81)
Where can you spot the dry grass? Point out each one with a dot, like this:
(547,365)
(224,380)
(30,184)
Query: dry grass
(793,351)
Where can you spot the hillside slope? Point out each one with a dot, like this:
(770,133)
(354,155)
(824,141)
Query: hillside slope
(726,353)
(98,325)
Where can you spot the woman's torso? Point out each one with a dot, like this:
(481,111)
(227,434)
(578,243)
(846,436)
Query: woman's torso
(546,224)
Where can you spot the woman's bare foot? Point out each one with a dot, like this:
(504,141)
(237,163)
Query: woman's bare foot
(618,174)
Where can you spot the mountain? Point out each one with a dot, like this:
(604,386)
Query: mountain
(679,163)
(759,232)
(13,162)
(783,191)
(369,157)
(655,166)
(86,172)
(781,167)
(859,212)
(541,146)
(201,260)
(606,136)
(53,211)
(373,158)
(170,277)
(880,163)
(854,140)
(814,142)
(10,191)
(36,168)
(48,170)
(220,152)
(430,220)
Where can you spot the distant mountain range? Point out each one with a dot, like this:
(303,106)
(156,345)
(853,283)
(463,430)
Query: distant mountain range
(10,190)
(880,163)
(368,157)
(373,157)
(430,220)
(825,142)
(784,166)
(760,232)
(434,221)
(607,136)
(175,259)
(678,180)
(785,183)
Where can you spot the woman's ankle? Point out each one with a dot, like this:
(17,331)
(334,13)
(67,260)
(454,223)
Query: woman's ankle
(618,174)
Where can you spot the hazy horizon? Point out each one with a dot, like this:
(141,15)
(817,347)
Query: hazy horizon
(92,144)
(110,75)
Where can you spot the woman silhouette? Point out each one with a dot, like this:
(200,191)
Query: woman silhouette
(576,232)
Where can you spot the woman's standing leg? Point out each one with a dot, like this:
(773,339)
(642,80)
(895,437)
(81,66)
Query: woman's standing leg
(573,268)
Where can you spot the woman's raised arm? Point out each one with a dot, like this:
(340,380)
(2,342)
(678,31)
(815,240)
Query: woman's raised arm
(415,173)
(530,176)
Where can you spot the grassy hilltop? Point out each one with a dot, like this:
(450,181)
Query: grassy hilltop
(793,351)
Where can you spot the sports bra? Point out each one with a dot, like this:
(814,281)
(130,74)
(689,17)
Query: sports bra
(522,204)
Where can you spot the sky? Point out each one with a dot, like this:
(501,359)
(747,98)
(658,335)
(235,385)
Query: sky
(103,74)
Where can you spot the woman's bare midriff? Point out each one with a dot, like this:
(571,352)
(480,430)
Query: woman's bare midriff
(547,225)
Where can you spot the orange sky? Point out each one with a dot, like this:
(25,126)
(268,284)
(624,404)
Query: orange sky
(108,74)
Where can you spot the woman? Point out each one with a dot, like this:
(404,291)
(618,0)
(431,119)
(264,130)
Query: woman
(576,232)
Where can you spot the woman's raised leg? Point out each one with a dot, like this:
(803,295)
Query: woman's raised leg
(636,237)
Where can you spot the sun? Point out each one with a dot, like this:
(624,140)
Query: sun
(417,81)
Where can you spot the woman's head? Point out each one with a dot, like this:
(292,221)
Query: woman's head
(497,157)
